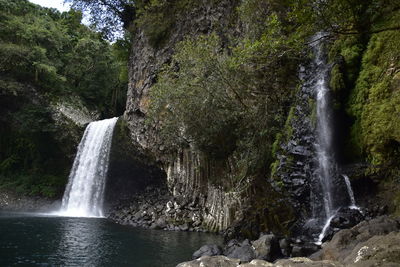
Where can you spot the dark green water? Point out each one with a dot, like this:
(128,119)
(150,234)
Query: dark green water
(27,240)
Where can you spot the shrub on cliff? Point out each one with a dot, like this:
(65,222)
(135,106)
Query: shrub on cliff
(223,99)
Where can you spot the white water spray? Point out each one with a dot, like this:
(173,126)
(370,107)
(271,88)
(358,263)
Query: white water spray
(83,195)
(326,162)
(350,192)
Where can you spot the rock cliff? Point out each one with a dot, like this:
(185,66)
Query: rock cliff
(191,175)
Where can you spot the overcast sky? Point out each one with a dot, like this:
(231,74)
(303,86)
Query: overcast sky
(59,4)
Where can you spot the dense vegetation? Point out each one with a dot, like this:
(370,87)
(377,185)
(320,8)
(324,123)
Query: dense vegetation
(366,82)
(46,58)
(227,92)
(230,94)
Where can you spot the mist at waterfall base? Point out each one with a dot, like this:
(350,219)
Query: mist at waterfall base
(32,240)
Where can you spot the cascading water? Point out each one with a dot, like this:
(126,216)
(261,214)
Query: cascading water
(326,167)
(326,162)
(350,192)
(83,195)
(307,164)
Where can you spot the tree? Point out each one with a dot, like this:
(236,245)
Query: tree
(108,16)
(345,16)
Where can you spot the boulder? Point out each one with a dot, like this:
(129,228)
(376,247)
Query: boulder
(345,241)
(376,251)
(207,250)
(304,250)
(267,248)
(161,223)
(257,263)
(285,246)
(346,218)
(221,261)
(243,251)
(208,261)
(305,262)
(184,227)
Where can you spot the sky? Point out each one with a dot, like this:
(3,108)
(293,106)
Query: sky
(59,4)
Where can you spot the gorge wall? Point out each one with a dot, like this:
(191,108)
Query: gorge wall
(192,175)
(278,197)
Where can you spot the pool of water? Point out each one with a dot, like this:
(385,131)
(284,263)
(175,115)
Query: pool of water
(40,240)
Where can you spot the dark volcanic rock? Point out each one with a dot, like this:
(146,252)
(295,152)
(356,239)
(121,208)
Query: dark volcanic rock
(345,241)
(243,251)
(285,247)
(346,218)
(267,248)
(304,250)
(156,208)
(207,250)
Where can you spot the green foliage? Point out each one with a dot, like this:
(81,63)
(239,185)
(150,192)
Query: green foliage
(200,101)
(229,100)
(109,17)
(374,102)
(58,55)
(45,56)
(47,186)
(157,17)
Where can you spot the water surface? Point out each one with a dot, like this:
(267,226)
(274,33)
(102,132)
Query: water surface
(31,240)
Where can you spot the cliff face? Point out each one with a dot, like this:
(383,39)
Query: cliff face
(362,82)
(192,176)
(187,171)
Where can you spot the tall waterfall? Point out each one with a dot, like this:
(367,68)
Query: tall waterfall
(83,196)
(326,165)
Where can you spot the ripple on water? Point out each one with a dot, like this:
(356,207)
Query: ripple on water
(63,241)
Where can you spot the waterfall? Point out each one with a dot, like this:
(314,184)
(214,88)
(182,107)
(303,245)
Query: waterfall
(350,192)
(83,196)
(326,167)
(326,182)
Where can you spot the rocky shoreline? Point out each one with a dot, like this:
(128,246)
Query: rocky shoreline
(375,242)
(156,208)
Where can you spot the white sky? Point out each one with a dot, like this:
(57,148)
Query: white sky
(59,4)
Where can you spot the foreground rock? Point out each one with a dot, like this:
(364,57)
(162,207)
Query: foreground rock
(370,243)
(240,250)
(267,248)
(207,250)
(222,261)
